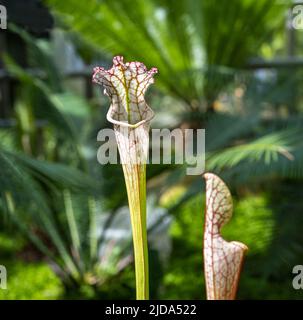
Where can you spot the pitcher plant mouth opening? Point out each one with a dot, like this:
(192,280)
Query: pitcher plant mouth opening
(125,84)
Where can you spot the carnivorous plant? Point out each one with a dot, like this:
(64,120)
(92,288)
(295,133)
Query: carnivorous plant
(222,260)
(125,84)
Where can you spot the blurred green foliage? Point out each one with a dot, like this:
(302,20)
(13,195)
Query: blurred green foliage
(34,281)
(253,223)
(54,191)
(205,35)
(25,280)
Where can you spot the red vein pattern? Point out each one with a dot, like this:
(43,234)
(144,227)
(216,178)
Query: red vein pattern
(125,84)
(222,260)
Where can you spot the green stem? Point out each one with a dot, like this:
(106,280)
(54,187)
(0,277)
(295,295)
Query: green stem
(135,179)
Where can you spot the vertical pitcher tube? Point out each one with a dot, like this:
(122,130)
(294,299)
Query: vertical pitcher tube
(136,191)
(133,149)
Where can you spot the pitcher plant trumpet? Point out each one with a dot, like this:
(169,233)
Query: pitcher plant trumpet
(125,84)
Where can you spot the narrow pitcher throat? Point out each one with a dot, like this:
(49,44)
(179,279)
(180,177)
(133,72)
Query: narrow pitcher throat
(133,142)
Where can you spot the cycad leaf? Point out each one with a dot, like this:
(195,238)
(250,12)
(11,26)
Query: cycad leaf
(266,148)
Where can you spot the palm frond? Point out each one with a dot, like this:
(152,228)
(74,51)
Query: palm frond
(267,148)
(54,174)
(24,192)
(176,37)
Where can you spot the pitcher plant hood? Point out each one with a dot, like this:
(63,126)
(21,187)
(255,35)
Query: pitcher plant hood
(125,84)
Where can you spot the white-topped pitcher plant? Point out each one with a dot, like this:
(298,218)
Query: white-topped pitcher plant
(125,84)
